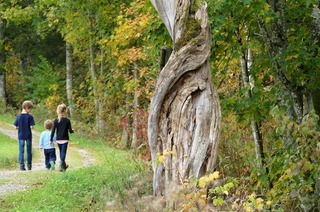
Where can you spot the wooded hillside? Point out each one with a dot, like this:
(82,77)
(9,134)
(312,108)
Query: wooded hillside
(102,59)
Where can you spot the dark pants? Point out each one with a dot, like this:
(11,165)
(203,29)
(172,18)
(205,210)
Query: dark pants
(50,155)
(63,153)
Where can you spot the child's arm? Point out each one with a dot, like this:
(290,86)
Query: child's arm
(53,130)
(53,140)
(31,122)
(41,141)
(15,124)
(70,128)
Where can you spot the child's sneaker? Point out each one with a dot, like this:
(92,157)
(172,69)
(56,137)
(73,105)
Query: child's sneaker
(29,167)
(52,165)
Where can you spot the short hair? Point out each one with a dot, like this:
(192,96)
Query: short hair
(48,124)
(27,105)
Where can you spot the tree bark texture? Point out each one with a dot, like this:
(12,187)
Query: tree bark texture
(185,117)
(94,86)
(69,77)
(102,95)
(3,96)
(135,141)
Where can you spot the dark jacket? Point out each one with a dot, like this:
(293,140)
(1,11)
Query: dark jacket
(61,128)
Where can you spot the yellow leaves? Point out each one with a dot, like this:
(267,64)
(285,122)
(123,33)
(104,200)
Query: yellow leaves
(260,204)
(202,182)
(214,175)
(187,206)
(217,201)
(129,34)
(195,201)
(202,202)
(130,56)
(129,30)
(161,159)
(166,153)
(206,179)
(254,203)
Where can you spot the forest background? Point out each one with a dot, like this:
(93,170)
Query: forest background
(103,58)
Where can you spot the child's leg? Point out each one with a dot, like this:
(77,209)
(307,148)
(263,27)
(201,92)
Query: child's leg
(63,151)
(52,155)
(21,154)
(52,158)
(29,153)
(46,160)
(63,154)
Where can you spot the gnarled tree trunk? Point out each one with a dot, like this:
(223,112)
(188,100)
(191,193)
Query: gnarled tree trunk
(185,118)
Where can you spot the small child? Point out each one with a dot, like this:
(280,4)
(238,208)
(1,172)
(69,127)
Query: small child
(24,123)
(48,146)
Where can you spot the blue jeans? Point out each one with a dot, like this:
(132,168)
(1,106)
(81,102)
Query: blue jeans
(21,152)
(50,155)
(63,152)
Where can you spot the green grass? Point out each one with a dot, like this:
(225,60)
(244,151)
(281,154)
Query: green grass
(86,189)
(110,179)
(8,152)
(7,118)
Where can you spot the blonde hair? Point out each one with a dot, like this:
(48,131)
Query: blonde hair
(48,124)
(27,105)
(61,111)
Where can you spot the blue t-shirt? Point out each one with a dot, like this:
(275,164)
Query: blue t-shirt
(24,121)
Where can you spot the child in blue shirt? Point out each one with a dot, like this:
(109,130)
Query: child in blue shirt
(48,146)
(24,123)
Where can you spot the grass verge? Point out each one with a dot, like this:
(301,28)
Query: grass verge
(86,189)
(8,152)
(104,186)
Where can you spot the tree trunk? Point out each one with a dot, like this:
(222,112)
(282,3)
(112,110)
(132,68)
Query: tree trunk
(3,96)
(69,77)
(101,99)
(126,135)
(185,118)
(126,124)
(94,86)
(134,143)
(257,137)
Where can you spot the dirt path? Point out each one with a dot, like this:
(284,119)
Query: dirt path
(11,180)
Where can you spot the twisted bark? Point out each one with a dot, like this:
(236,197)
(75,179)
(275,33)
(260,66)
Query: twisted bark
(185,118)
